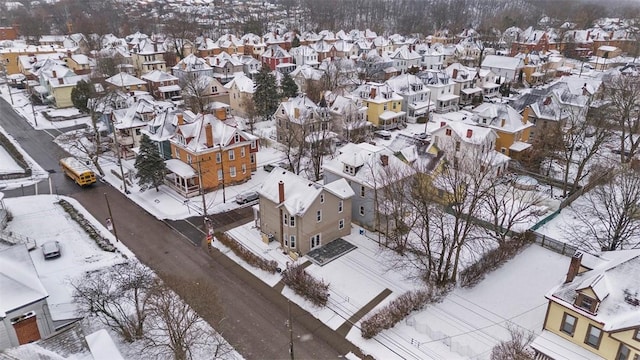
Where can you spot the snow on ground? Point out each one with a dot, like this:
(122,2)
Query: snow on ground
(38,217)
(7,164)
(467,324)
(23,107)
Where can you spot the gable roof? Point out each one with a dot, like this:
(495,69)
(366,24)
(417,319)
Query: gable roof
(19,282)
(502,62)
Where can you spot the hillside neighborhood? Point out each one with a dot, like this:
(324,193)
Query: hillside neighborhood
(445,195)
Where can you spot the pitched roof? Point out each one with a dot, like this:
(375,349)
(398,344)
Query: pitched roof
(502,62)
(19,282)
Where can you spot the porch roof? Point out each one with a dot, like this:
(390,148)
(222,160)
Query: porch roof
(180,168)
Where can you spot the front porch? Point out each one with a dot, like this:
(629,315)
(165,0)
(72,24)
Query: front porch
(389,120)
(182,178)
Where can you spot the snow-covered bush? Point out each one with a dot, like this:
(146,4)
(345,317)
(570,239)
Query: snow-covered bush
(305,285)
(102,242)
(246,254)
(396,310)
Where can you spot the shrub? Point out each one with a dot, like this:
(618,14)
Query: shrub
(396,310)
(306,286)
(102,242)
(246,254)
(493,259)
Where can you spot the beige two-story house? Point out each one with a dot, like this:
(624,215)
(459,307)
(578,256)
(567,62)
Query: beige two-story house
(303,215)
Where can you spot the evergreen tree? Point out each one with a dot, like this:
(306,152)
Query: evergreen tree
(149,165)
(295,42)
(266,95)
(80,95)
(288,87)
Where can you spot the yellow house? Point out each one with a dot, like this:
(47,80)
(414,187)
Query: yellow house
(595,313)
(512,128)
(241,90)
(9,56)
(384,106)
(215,152)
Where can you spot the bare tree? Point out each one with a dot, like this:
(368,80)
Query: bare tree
(195,91)
(583,135)
(623,95)
(181,28)
(250,112)
(118,297)
(610,217)
(516,348)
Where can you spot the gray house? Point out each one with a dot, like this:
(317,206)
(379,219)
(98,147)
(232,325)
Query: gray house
(368,169)
(24,312)
(303,215)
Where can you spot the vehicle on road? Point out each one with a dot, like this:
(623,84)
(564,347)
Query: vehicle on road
(77,171)
(247,197)
(269,167)
(51,250)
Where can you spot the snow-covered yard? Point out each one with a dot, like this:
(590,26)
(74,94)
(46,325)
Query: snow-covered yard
(465,325)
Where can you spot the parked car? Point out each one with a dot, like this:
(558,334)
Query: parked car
(247,197)
(269,167)
(51,250)
(383,134)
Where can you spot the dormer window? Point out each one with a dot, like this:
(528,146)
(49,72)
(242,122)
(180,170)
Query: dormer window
(236,138)
(587,303)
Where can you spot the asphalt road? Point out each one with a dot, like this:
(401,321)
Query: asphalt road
(250,315)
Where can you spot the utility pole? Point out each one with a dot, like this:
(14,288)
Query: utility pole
(111,220)
(290,325)
(224,197)
(6,81)
(204,200)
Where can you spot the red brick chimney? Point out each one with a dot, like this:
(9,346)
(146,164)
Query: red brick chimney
(208,132)
(180,119)
(280,192)
(469,133)
(61,81)
(574,267)
(455,73)
(384,159)
(442,123)
(372,93)
(54,74)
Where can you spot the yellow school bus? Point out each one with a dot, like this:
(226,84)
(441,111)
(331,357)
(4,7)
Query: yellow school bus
(77,171)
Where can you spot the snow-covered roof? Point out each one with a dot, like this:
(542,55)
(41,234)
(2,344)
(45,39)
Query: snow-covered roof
(369,168)
(501,117)
(194,133)
(299,193)
(613,281)
(502,62)
(180,168)
(123,79)
(158,76)
(19,281)
(243,83)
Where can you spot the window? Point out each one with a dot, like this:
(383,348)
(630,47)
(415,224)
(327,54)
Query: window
(253,144)
(242,152)
(219,174)
(623,352)
(253,158)
(362,190)
(340,206)
(292,241)
(594,335)
(319,215)
(315,241)
(322,198)
(457,145)
(232,154)
(214,89)
(236,138)
(361,210)
(188,158)
(636,336)
(286,239)
(285,220)
(568,324)
(218,157)
(448,132)
(586,302)
(244,168)
(292,221)
(177,154)
(341,224)
(232,171)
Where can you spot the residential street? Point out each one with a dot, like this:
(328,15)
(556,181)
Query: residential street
(253,316)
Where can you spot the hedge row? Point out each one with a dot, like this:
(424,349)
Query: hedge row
(396,311)
(306,286)
(493,259)
(15,154)
(102,242)
(248,256)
